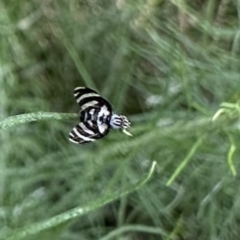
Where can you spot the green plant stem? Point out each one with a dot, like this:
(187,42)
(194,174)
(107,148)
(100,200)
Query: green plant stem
(134,228)
(17,120)
(231,152)
(78,211)
(185,160)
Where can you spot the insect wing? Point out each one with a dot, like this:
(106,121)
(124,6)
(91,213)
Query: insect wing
(85,133)
(88,98)
(81,134)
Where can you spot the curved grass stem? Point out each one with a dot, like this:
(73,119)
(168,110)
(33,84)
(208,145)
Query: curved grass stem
(17,120)
(185,161)
(78,211)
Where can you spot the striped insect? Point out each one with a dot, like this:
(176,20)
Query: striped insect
(96,117)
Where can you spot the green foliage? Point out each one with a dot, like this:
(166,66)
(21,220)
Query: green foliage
(167,65)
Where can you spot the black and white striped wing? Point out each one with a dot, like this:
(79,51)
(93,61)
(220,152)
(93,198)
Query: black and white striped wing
(86,132)
(88,98)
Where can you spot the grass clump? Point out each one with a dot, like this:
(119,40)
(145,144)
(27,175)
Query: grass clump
(167,65)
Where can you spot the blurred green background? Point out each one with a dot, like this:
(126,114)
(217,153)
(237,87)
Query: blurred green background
(167,65)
